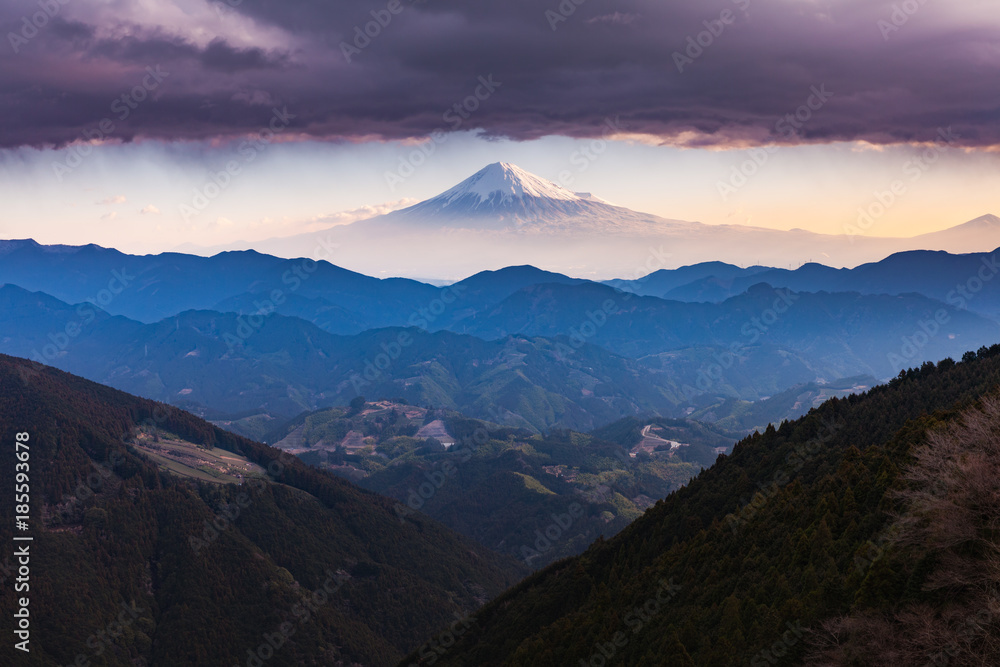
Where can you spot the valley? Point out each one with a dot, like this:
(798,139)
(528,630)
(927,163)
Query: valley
(494,484)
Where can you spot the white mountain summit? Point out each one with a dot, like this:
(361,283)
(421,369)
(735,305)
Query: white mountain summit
(502,196)
(501,184)
(503,215)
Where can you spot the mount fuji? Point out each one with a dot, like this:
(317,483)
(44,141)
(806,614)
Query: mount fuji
(503,215)
(503,196)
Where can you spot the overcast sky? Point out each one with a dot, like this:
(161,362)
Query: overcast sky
(116,113)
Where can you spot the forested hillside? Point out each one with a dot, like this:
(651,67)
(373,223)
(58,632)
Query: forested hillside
(206,572)
(837,539)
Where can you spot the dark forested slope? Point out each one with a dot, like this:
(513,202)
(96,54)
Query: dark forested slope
(787,551)
(134,565)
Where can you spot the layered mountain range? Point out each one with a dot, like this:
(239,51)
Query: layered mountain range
(503,214)
(243,333)
(590,430)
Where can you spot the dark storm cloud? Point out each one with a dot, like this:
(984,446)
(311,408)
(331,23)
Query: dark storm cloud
(217,55)
(562,68)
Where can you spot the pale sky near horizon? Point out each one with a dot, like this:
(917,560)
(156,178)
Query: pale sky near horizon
(163,95)
(131,196)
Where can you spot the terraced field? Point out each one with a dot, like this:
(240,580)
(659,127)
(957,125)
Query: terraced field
(189,460)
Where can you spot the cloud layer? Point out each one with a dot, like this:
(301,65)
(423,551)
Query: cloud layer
(720,73)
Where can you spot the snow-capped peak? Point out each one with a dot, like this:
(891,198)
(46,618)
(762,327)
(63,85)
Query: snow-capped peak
(510,182)
(502,196)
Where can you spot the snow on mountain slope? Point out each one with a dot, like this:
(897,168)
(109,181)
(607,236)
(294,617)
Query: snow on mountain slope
(501,183)
(504,197)
(503,215)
